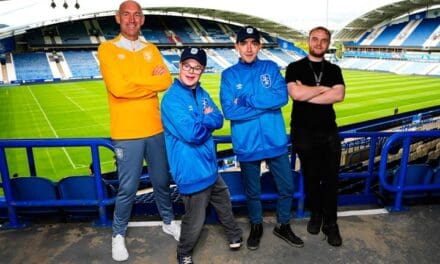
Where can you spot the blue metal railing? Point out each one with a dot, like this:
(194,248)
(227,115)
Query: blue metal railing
(30,144)
(400,188)
(372,140)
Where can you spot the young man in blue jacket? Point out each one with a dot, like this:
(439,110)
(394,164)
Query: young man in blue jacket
(252,93)
(190,116)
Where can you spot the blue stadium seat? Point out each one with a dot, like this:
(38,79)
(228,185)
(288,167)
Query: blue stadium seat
(234,181)
(436,179)
(34,189)
(79,188)
(416,174)
(269,188)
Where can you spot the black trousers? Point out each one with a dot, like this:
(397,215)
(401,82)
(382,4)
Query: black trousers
(320,155)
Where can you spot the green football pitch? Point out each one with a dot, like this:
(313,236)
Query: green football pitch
(80,109)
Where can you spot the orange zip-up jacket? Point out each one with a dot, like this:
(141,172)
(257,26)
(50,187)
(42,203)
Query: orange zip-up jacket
(131,87)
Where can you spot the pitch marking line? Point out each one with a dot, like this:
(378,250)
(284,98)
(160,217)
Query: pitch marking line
(75,103)
(51,127)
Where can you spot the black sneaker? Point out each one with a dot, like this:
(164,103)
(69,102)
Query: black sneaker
(184,259)
(235,244)
(332,235)
(314,224)
(284,232)
(255,235)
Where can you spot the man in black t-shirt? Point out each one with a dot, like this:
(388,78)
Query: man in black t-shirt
(315,85)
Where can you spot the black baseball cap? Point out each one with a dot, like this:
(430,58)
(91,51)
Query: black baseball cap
(248,32)
(194,53)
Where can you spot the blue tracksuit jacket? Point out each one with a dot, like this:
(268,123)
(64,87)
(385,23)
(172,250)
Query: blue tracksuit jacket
(251,96)
(188,137)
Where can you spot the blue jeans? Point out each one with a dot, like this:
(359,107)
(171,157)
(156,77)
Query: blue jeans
(130,155)
(281,171)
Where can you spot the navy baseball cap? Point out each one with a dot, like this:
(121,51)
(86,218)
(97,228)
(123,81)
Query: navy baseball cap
(248,32)
(194,53)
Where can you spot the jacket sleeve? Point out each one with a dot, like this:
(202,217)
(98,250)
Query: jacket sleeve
(271,99)
(182,123)
(213,120)
(145,85)
(232,108)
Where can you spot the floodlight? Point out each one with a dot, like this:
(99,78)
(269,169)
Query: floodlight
(65,5)
(53,5)
(76,5)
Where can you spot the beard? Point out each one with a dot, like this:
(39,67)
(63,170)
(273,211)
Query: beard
(317,54)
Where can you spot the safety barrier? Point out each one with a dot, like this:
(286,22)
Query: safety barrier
(30,144)
(400,188)
(373,143)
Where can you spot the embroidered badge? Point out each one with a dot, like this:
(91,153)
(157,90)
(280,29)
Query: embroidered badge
(194,51)
(147,56)
(121,56)
(265,80)
(119,153)
(205,102)
(239,86)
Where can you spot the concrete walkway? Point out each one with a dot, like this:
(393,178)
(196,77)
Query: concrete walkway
(412,236)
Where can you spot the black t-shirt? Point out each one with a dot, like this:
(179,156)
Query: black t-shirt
(309,117)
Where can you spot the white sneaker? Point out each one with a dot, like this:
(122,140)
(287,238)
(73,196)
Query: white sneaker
(119,251)
(172,229)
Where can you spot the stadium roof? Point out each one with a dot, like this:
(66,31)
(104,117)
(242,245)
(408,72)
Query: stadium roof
(262,24)
(17,16)
(383,15)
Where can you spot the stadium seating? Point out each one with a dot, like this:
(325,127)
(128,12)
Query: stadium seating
(79,188)
(436,180)
(390,32)
(108,26)
(82,64)
(235,183)
(34,189)
(32,66)
(268,187)
(181,29)
(421,33)
(154,31)
(35,37)
(415,174)
(214,31)
(73,33)
(228,54)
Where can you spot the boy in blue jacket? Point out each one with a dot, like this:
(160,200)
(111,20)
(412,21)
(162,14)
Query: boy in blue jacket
(252,93)
(189,117)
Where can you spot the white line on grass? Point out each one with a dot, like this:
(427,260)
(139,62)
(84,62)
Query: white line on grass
(75,103)
(51,127)
(44,113)
(32,114)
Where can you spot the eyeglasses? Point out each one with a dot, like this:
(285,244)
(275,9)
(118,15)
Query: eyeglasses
(195,70)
